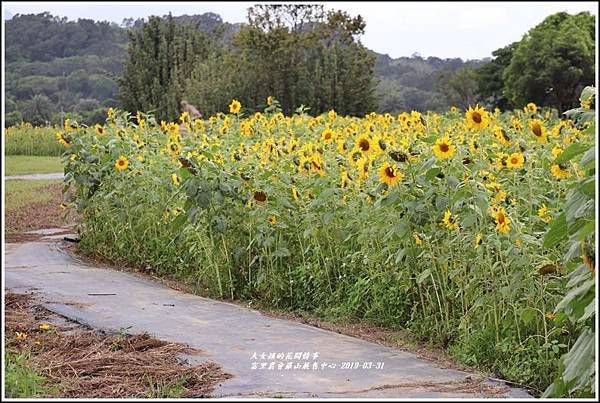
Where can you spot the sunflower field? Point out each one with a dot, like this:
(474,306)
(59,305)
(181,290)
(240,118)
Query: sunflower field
(25,139)
(434,222)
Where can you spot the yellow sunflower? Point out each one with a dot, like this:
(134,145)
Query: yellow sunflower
(502,220)
(477,118)
(501,135)
(99,130)
(543,214)
(556,151)
(450,222)
(478,240)
(515,160)
(174,147)
(537,128)
(272,220)
(60,136)
(389,174)
(531,108)
(235,106)
(443,148)
(363,143)
(363,168)
(328,136)
(122,163)
(559,171)
(418,239)
(175,179)
(295,193)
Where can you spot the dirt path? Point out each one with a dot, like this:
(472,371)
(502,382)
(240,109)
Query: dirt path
(268,357)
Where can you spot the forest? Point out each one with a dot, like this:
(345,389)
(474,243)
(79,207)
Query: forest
(304,56)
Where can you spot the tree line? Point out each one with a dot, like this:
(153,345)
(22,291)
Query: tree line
(299,54)
(302,55)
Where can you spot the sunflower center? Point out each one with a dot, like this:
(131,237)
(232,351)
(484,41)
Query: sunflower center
(444,147)
(327,136)
(514,160)
(364,145)
(500,218)
(389,172)
(121,163)
(476,116)
(536,129)
(260,196)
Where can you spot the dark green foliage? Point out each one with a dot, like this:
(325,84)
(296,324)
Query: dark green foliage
(460,87)
(415,83)
(553,62)
(490,79)
(57,68)
(160,55)
(297,54)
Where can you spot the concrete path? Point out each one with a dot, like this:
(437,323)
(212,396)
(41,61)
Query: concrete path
(57,175)
(307,361)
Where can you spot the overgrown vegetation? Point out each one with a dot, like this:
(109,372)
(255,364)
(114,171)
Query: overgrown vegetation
(576,224)
(413,221)
(21,380)
(25,139)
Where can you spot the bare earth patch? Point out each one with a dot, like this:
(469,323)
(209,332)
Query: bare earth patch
(82,363)
(38,215)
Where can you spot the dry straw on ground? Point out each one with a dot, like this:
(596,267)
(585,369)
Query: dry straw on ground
(81,362)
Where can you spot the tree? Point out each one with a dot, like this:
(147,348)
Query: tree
(490,78)
(302,55)
(553,62)
(161,55)
(38,110)
(460,87)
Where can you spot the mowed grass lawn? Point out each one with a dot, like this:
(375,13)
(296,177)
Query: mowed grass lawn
(20,193)
(25,164)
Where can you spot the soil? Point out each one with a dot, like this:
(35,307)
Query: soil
(79,362)
(39,215)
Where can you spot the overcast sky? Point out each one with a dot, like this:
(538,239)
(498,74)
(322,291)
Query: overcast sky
(459,29)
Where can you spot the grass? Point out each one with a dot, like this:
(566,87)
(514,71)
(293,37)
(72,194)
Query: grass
(24,164)
(21,380)
(20,193)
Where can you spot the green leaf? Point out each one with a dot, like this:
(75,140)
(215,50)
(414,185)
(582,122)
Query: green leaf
(579,361)
(557,232)
(528,314)
(431,173)
(391,198)
(588,157)
(586,230)
(427,164)
(282,252)
(468,220)
(588,186)
(423,276)
(572,151)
